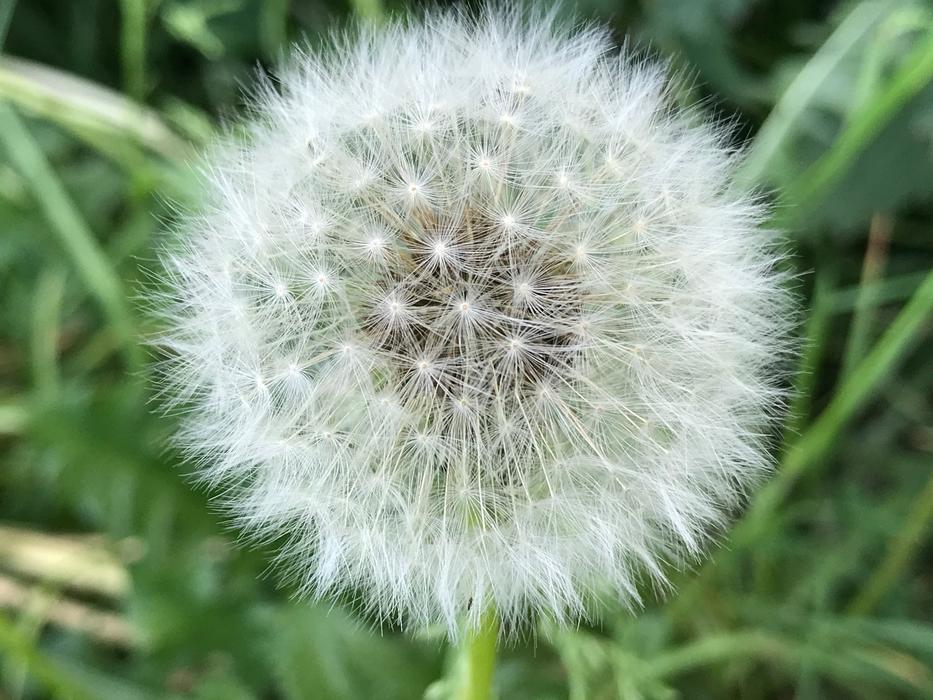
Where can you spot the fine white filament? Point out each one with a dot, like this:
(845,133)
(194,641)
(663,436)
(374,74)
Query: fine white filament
(474,316)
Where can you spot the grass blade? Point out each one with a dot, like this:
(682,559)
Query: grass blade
(900,552)
(368,10)
(809,189)
(72,231)
(50,291)
(795,100)
(856,389)
(41,668)
(84,107)
(133,47)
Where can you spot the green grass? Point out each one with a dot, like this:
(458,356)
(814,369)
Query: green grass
(821,590)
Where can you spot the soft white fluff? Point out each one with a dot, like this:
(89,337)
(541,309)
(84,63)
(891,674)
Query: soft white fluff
(473,315)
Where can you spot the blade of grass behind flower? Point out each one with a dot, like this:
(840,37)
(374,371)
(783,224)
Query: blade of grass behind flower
(795,100)
(85,107)
(807,190)
(133,47)
(42,669)
(73,232)
(813,446)
(901,551)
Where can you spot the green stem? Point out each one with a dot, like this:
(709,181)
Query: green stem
(480,657)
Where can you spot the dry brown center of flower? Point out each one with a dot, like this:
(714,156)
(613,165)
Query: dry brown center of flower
(478,307)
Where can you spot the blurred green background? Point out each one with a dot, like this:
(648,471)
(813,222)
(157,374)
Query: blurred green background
(118,581)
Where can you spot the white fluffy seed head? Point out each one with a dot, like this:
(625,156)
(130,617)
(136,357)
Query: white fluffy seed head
(475,316)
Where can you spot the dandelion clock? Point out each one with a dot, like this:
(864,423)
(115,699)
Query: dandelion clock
(475,318)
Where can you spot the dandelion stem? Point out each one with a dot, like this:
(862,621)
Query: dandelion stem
(480,659)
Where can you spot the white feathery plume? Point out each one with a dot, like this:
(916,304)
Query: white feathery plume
(475,317)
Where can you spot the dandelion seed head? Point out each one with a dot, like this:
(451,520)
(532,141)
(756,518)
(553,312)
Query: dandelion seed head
(502,329)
